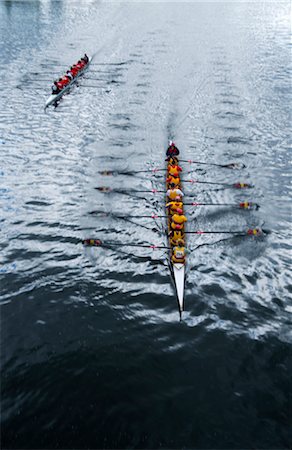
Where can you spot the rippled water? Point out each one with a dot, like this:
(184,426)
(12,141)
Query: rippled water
(93,352)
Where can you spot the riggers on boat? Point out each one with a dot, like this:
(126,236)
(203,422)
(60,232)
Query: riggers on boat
(176,222)
(55,97)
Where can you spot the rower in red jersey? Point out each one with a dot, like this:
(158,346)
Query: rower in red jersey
(74,70)
(60,84)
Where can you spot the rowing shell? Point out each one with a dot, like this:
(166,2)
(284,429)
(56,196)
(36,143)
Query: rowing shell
(178,276)
(55,97)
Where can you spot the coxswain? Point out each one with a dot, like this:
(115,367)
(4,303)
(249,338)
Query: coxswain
(85,58)
(55,88)
(177,221)
(179,252)
(174,192)
(175,207)
(172,150)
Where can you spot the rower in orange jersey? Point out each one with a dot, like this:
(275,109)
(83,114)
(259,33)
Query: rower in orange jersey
(177,221)
(176,206)
(173,180)
(173,192)
(173,169)
(179,253)
(174,236)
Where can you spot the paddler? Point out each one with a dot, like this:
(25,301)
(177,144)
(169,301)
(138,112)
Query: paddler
(177,221)
(179,252)
(174,192)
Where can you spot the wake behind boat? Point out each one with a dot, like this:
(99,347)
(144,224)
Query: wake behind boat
(65,83)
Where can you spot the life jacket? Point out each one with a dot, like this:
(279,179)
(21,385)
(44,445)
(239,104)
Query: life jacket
(178,255)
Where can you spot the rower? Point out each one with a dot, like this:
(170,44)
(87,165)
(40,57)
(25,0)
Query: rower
(177,221)
(85,58)
(80,64)
(173,168)
(172,150)
(175,206)
(74,70)
(65,80)
(174,236)
(173,180)
(60,84)
(55,88)
(173,192)
(179,253)
(69,75)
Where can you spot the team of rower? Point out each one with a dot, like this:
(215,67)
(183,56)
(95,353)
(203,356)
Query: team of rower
(72,73)
(176,217)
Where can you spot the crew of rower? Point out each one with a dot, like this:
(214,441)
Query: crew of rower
(72,73)
(175,206)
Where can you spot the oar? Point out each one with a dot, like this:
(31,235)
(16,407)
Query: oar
(237,185)
(92,242)
(249,232)
(233,165)
(107,189)
(99,243)
(155,170)
(242,205)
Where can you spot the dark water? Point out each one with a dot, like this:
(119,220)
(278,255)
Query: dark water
(93,353)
